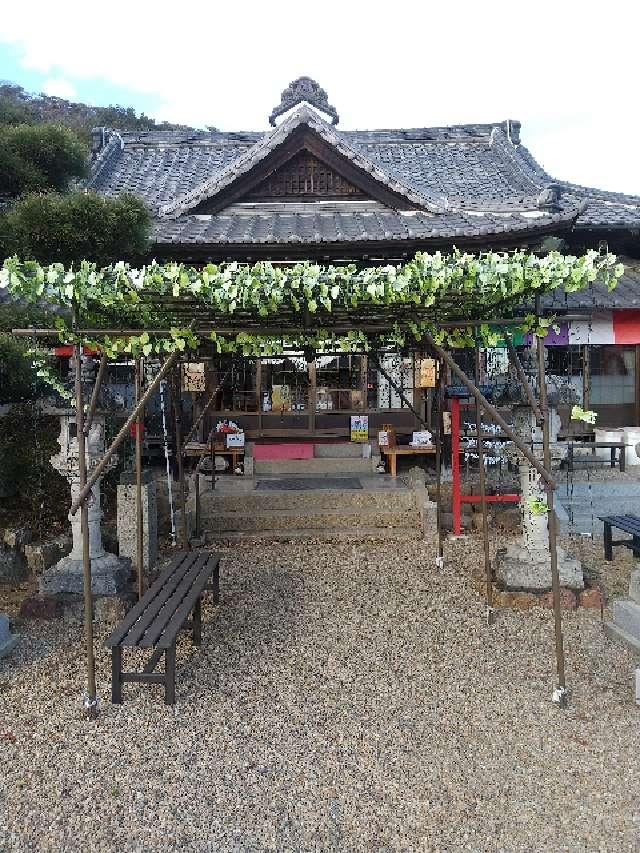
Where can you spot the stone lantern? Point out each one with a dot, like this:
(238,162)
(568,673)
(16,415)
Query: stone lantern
(109,574)
(526,564)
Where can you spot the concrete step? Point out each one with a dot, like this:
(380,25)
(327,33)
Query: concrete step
(314,466)
(626,617)
(318,499)
(619,635)
(338,451)
(292,519)
(341,534)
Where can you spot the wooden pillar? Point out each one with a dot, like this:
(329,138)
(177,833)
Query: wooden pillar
(139,519)
(552,523)
(483,493)
(91,702)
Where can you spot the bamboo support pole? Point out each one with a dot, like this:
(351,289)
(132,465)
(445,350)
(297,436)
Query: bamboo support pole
(515,360)
(95,394)
(483,496)
(122,434)
(177,425)
(439,441)
(139,520)
(552,523)
(490,410)
(91,703)
(206,408)
(398,390)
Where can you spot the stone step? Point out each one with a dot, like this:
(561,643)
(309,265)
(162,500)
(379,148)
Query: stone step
(619,635)
(314,466)
(634,586)
(344,450)
(626,616)
(337,534)
(271,520)
(317,499)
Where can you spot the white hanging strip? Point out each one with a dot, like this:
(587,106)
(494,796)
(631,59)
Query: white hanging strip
(172,514)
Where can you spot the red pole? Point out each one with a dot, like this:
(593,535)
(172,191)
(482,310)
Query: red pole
(455,466)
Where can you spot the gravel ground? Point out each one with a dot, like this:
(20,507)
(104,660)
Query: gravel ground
(344,699)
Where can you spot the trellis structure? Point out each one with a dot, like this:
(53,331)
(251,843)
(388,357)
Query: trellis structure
(432,302)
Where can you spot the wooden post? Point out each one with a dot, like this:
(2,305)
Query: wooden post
(456,504)
(177,423)
(490,410)
(95,394)
(483,496)
(120,437)
(91,701)
(439,444)
(139,519)
(552,523)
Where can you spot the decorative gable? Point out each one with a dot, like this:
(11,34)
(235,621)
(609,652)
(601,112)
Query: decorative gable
(305,176)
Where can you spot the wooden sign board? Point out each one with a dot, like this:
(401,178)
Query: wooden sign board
(193,378)
(426,373)
(359,427)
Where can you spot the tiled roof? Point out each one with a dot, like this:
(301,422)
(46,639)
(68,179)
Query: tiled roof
(599,298)
(450,174)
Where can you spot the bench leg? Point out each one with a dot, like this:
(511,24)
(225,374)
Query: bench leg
(197,622)
(215,585)
(170,675)
(608,549)
(116,675)
(623,458)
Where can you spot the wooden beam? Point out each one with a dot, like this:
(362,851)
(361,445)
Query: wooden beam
(490,410)
(122,434)
(515,360)
(94,394)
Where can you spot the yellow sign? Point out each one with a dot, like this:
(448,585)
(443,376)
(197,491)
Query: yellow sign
(426,373)
(359,427)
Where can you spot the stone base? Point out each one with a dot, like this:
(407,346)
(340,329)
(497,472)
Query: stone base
(619,635)
(109,575)
(8,641)
(518,568)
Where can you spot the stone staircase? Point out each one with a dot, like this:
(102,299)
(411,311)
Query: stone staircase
(344,458)
(625,624)
(326,514)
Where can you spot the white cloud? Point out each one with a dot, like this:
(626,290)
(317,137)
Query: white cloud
(563,69)
(59,87)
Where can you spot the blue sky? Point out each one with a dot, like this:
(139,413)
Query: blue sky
(568,70)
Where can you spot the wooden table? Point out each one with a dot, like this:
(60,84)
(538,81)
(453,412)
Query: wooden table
(616,447)
(404,450)
(199,449)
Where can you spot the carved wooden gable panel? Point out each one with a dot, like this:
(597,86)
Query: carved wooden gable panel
(305,176)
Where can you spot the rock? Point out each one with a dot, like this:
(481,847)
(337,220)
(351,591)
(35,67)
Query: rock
(429,511)
(8,641)
(12,567)
(518,568)
(524,600)
(416,477)
(17,537)
(590,598)
(41,607)
(109,575)
(509,519)
(568,599)
(41,556)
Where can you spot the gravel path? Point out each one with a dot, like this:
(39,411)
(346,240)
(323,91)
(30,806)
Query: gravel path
(343,700)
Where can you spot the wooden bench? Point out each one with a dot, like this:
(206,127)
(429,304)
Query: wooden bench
(626,523)
(163,611)
(392,454)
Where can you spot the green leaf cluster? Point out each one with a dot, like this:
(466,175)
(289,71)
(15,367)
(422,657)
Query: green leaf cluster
(39,157)
(416,297)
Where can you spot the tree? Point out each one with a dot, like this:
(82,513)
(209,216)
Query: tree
(39,157)
(68,228)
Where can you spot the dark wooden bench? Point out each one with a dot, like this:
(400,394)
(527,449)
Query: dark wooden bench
(626,523)
(163,611)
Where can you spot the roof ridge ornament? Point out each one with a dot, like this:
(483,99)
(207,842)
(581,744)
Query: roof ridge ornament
(549,197)
(301,90)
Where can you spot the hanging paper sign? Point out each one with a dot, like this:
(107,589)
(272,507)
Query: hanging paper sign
(426,373)
(235,439)
(281,398)
(359,427)
(193,377)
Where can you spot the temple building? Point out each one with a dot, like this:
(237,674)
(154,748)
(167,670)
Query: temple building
(304,189)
